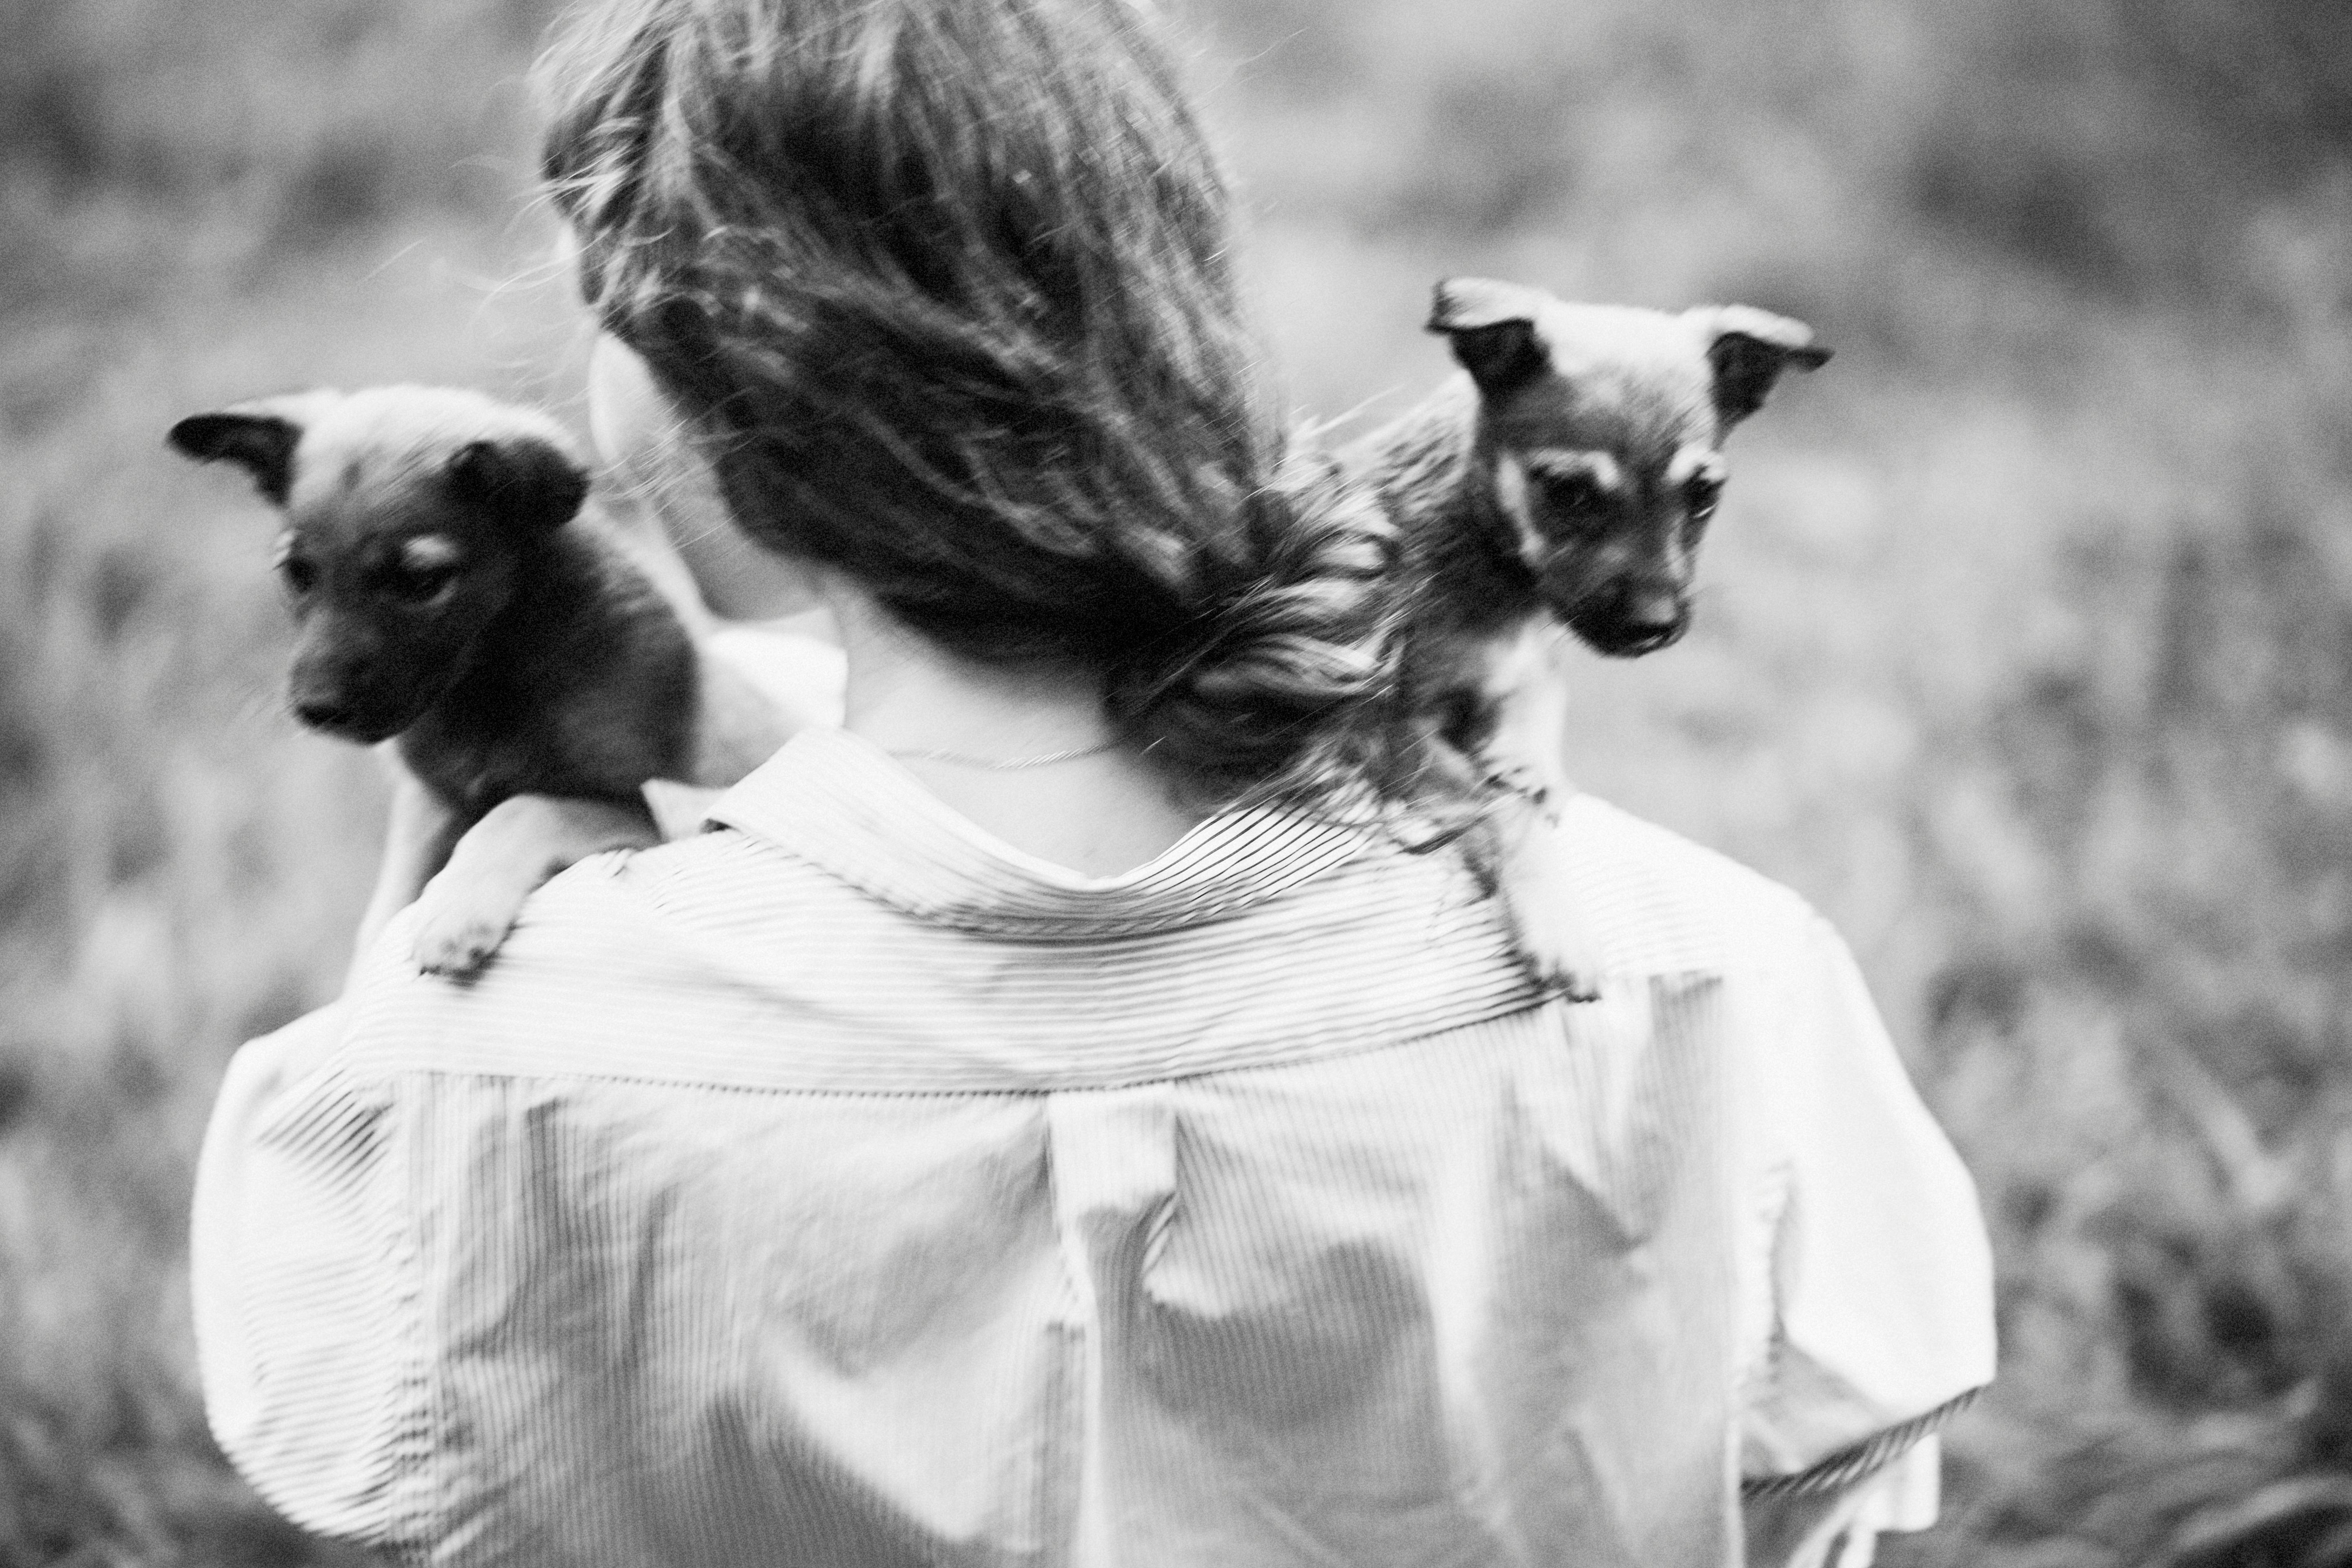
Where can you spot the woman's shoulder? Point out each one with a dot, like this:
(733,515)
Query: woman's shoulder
(611,959)
(1664,903)
(729,958)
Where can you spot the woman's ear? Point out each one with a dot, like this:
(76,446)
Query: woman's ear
(628,419)
(640,440)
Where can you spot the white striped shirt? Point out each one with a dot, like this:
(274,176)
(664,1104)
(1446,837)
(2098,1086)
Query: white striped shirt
(845,1188)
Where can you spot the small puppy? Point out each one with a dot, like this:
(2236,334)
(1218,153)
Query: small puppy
(452,598)
(1565,481)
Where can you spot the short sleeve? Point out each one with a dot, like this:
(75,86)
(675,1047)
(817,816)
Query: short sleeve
(1879,1274)
(300,1292)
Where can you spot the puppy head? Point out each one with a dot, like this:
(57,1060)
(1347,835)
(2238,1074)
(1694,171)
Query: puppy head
(408,512)
(1603,426)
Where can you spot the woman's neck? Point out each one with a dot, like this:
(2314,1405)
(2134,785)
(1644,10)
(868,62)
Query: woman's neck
(1100,813)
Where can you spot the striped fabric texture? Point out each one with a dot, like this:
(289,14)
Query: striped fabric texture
(841,1187)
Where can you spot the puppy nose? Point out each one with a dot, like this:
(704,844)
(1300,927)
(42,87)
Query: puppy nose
(1652,611)
(321,712)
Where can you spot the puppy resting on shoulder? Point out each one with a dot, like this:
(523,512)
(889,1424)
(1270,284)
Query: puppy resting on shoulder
(1566,481)
(450,596)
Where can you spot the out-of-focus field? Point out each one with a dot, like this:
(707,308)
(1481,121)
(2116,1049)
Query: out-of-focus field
(2027,652)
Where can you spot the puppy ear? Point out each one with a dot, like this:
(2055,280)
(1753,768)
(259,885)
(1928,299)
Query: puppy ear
(1493,328)
(1748,349)
(528,482)
(256,437)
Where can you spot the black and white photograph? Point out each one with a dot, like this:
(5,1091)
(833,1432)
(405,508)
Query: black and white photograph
(1176,783)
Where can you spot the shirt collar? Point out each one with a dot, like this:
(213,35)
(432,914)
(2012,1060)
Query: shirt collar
(837,801)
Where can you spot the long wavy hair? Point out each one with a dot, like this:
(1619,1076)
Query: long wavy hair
(945,288)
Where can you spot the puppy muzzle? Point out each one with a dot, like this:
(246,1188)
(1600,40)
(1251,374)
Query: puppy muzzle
(1628,624)
(351,713)
(347,723)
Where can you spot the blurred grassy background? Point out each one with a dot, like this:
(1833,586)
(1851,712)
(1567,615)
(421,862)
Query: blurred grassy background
(2028,652)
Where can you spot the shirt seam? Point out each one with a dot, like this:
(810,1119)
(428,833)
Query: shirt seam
(1521,1005)
(1046,929)
(416,1502)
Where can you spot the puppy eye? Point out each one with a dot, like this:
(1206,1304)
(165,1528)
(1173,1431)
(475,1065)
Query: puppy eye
(423,584)
(297,573)
(1701,496)
(1575,491)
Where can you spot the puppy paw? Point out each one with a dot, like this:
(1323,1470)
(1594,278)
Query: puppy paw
(1561,956)
(1547,920)
(455,935)
(466,909)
